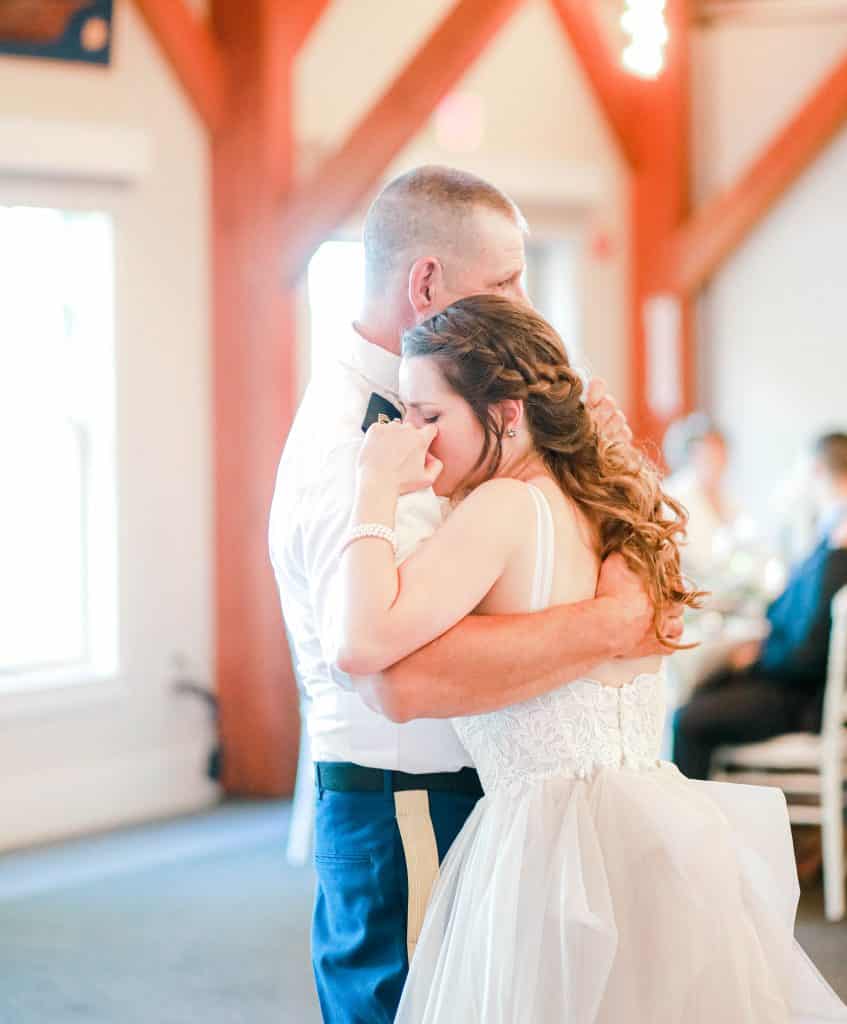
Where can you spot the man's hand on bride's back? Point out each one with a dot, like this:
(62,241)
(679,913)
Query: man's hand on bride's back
(604,411)
(635,636)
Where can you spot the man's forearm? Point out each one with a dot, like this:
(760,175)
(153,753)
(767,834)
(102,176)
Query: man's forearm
(490,661)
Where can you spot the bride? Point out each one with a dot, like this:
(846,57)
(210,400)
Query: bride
(592,884)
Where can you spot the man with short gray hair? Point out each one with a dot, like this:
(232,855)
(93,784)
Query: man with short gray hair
(393,783)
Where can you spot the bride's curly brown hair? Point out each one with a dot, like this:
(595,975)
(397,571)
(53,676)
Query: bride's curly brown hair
(490,350)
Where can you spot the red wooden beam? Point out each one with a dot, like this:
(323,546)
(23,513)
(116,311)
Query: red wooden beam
(701,246)
(304,16)
(612,86)
(283,29)
(659,203)
(253,394)
(345,177)
(193,54)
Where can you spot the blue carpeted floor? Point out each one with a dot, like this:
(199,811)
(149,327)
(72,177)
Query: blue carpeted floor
(198,921)
(195,921)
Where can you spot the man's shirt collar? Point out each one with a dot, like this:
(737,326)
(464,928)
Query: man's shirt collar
(376,364)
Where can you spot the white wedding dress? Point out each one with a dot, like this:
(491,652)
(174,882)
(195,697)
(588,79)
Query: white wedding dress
(595,884)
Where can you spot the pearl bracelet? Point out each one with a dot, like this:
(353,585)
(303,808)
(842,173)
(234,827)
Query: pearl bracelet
(379,530)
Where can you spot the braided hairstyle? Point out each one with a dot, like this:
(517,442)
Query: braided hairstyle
(490,350)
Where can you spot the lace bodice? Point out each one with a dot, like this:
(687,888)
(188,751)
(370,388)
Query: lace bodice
(573,731)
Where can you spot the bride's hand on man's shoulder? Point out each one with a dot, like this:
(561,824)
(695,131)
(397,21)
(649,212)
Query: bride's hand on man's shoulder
(635,633)
(397,455)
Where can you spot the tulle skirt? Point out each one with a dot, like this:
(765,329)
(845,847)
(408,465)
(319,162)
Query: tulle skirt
(629,898)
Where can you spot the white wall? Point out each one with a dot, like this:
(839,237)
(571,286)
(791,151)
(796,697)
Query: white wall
(774,320)
(129,750)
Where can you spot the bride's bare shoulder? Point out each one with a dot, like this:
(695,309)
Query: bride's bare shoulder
(499,492)
(502,503)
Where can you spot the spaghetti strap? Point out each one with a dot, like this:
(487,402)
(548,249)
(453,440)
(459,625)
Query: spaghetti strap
(542,584)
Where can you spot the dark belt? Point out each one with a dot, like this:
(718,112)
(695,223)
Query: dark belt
(344,777)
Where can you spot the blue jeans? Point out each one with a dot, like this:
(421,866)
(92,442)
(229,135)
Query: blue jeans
(359,927)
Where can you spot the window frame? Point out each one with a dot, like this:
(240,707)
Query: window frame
(99,673)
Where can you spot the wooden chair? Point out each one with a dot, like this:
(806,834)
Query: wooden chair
(808,765)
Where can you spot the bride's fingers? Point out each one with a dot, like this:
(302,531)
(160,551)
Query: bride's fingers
(432,469)
(428,433)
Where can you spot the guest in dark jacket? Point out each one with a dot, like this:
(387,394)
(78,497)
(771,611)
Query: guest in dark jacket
(777,686)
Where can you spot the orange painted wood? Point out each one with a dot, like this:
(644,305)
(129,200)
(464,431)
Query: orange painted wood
(346,177)
(701,246)
(649,121)
(659,203)
(193,54)
(285,29)
(610,84)
(253,373)
(305,15)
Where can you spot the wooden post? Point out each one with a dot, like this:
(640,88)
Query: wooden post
(659,203)
(649,122)
(193,54)
(253,393)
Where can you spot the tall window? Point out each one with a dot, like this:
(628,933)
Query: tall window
(58,618)
(336,281)
(551,282)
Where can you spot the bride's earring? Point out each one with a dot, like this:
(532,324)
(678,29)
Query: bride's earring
(511,432)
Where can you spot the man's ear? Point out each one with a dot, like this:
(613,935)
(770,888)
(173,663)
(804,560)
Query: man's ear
(426,285)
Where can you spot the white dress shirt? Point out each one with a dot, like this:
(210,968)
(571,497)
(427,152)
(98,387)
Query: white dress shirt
(310,514)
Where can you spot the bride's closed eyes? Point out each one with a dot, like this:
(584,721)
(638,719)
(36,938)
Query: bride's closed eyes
(429,401)
(420,412)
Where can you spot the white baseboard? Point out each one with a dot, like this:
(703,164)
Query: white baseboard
(96,796)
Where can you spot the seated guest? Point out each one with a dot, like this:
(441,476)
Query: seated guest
(698,455)
(777,686)
(793,512)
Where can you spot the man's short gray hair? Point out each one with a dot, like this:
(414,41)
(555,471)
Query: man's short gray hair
(425,210)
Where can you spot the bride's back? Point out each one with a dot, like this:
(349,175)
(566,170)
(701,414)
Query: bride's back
(575,568)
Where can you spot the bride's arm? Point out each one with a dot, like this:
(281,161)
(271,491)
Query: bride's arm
(487,662)
(490,661)
(386,612)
